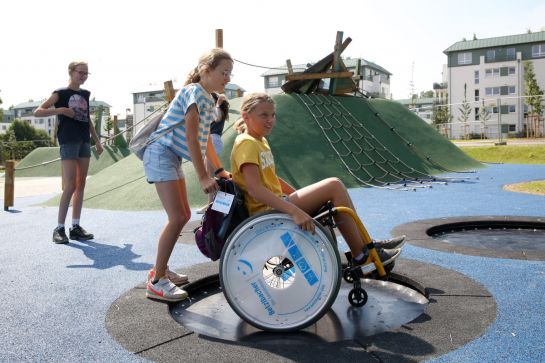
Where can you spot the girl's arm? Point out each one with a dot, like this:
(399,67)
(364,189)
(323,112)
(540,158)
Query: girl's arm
(45,110)
(258,191)
(208,185)
(98,145)
(215,160)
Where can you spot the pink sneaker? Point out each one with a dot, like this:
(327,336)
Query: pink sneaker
(176,278)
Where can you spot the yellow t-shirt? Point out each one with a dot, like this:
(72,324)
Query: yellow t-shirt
(248,150)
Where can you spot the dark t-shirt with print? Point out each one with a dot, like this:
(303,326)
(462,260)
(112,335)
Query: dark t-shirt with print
(73,130)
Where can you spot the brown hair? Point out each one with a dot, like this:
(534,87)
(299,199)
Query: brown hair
(249,102)
(209,60)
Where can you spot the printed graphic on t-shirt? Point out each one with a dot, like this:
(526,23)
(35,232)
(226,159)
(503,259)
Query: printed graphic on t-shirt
(267,159)
(78,104)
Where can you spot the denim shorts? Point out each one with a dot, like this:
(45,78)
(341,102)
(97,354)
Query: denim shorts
(161,164)
(218,144)
(76,150)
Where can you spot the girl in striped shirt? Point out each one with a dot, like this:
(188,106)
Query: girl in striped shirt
(192,111)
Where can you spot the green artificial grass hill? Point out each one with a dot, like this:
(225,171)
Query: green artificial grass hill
(45,161)
(361,141)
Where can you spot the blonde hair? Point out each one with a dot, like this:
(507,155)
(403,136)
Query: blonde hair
(72,66)
(209,60)
(249,102)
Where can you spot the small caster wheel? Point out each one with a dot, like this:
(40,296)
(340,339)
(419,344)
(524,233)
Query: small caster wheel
(347,275)
(357,297)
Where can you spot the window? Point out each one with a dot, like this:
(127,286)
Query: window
(511,70)
(512,109)
(492,91)
(492,72)
(512,90)
(511,55)
(493,109)
(512,128)
(476,95)
(464,58)
(490,55)
(274,82)
(476,113)
(476,77)
(537,50)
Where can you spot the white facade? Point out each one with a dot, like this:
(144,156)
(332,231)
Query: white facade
(146,102)
(492,72)
(24,111)
(372,80)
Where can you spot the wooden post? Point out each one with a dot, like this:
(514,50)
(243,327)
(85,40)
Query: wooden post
(290,68)
(336,62)
(239,92)
(169,91)
(219,38)
(9,185)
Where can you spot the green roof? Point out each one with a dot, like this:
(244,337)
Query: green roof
(496,42)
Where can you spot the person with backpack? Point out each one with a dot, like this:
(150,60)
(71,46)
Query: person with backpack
(253,169)
(192,111)
(71,106)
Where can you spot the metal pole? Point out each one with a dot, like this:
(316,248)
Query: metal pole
(9,185)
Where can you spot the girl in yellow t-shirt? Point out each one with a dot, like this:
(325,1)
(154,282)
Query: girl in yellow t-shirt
(252,167)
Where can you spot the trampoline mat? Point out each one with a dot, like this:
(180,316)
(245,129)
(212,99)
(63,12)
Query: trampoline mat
(507,239)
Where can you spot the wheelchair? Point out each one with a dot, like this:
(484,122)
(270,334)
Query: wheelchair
(280,278)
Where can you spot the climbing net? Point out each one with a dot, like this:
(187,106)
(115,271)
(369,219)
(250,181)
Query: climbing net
(364,156)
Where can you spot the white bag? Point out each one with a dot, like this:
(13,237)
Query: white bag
(141,139)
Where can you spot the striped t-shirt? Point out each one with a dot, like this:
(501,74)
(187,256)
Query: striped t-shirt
(193,93)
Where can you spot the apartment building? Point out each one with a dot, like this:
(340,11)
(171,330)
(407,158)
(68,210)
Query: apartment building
(23,111)
(372,79)
(492,71)
(147,101)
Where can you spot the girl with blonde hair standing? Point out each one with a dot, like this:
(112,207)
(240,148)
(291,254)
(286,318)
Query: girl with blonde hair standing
(192,111)
(71,106)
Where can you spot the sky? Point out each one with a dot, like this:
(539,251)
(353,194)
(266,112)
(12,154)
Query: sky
(134,45)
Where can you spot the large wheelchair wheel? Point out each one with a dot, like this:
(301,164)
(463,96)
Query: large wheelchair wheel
(277,277)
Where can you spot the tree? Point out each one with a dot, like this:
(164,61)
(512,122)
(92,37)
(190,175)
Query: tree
(533,93)
(465,112)
(21,138)
(108,126)
(484,116)
(1,111)
(426,94)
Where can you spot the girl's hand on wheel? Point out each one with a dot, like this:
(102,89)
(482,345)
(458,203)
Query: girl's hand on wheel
(304,221)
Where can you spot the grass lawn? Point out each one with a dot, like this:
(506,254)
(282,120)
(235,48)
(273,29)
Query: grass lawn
(509,154)
(515,154)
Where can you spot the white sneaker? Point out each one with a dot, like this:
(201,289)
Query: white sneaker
(165,290)
(176,278)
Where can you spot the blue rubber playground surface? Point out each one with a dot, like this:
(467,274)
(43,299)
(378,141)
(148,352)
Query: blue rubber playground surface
(55,297)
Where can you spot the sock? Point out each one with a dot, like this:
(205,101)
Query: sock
(60,225)
(75,222)
(360,256)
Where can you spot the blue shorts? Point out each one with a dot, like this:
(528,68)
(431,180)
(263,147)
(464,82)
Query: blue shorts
(161,164)
(218,144)
(76,150)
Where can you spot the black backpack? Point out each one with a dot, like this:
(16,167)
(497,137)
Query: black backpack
(216,227)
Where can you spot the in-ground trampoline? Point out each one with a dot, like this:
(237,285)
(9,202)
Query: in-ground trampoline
(493,236)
